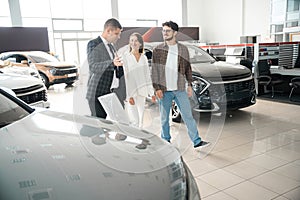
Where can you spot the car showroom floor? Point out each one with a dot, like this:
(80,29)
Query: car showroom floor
(255,152)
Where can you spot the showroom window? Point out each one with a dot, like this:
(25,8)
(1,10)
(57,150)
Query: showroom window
(33,8)
(4,13)
(292,24)
(66,9)
(95,9)
(71,24)
(278,11)
(285,16)
(279,28)
(293,5)
(95,14)
(154,14)
(68,24)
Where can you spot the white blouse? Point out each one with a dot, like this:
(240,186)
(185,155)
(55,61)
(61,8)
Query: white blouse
(137,76)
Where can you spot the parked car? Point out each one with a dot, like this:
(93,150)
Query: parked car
(53,155)
(23,68)
(29,89)
(218,86)
(52,71)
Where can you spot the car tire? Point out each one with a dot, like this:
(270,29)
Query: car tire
(45,80)
(176,116)
(70,83)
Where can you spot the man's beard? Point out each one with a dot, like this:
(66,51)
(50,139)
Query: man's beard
(170,38)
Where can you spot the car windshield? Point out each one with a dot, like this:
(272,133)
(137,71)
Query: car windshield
(10,111)
(43,57)
(198,55)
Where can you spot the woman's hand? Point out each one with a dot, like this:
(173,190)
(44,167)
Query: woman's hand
(131,101)
(159,94)
(153,99)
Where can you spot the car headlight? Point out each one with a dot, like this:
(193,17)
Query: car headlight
(199,85)
(202,93)
(52,70)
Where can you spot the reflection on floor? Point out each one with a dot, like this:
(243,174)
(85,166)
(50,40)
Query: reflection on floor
(255,152)
(257,155)
(282,97)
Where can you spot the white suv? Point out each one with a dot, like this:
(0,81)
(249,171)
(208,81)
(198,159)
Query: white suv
(27,88)
(23,68)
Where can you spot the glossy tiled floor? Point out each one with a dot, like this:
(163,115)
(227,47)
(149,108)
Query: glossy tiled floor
(257,155)
(255,152)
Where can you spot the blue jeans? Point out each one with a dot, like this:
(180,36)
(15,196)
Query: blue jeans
(183,103)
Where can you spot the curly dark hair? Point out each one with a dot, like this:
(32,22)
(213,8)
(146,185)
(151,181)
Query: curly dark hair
(172,25)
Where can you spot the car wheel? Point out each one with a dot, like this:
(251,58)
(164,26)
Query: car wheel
(70,83)
(45,80)
(176,116)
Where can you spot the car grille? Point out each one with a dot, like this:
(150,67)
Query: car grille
(62,72)
(239,94)
(239,86)
(28,89)
(236,77)
(32,94)
(232,95)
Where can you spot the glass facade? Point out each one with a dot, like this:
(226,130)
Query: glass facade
(285,19)
(71,24)
(5,19)
(159,11)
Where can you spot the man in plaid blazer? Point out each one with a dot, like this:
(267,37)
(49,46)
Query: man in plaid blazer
(103,63)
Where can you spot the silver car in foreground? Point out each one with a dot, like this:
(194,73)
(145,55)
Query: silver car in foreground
(51,155)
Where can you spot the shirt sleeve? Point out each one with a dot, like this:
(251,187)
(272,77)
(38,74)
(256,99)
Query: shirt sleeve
(147,76)
(154,70)
(129,79)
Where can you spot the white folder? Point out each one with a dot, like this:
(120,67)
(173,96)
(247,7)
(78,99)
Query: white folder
(114,108)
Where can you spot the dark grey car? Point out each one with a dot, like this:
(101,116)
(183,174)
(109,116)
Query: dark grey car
(218,86)
(51,155)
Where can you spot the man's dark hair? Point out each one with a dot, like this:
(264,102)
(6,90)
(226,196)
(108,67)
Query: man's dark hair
(172,25)
(112,23)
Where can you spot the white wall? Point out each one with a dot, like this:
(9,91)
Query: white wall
(224,21)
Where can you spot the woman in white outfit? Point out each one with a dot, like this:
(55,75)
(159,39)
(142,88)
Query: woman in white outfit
(137,78)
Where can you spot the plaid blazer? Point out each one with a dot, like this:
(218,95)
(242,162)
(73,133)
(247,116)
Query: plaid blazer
(101,69)
(159,59)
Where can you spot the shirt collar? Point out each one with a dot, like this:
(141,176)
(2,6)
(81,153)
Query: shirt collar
(104,40)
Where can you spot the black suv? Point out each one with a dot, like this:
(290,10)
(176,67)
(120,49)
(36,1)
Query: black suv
(218,86)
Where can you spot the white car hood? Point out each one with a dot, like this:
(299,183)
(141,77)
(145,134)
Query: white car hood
(16,81)
(102,143)
(18,70)
(57,64)
(60,155)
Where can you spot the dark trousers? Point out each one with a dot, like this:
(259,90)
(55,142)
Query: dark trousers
(96,108)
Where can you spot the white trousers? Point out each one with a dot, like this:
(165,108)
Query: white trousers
(136,112)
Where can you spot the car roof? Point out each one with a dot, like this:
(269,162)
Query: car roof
(24,52)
